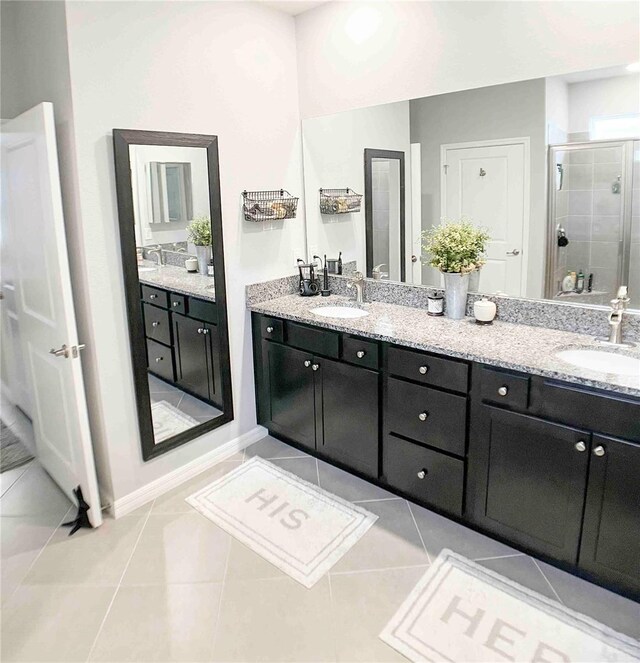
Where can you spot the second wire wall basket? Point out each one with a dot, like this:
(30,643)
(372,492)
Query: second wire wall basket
(269,205)
(339,201)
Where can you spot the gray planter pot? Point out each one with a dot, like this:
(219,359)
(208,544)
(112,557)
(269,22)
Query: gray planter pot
(456,287)
(203,253)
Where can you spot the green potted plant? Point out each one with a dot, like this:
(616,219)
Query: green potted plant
(457,249)
(199,232)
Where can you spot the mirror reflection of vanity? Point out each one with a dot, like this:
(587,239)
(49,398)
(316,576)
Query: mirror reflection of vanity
(173,262)
(550,167)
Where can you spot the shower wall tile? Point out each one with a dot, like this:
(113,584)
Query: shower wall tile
(577,256)
(580,202)
(606,228)
(607,203)
(604,254)
(607,155)
(578,228)
(605,279)
(579,177)
(562,203)
(580,156)
(605,174)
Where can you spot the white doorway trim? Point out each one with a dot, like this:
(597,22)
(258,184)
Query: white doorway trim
(525,141)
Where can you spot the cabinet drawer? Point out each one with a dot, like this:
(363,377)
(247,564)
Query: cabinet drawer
(272,329)
(156,324)
(154,296)
(358,351)
(504,388)
(178,303)
(160,360)
(312,339)
(203,310)
(429,369)
(424,475)
(428,416)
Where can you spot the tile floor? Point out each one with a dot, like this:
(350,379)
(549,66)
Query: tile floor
(194,407)
(166,584)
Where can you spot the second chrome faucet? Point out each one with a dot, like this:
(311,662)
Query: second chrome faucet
(357,284)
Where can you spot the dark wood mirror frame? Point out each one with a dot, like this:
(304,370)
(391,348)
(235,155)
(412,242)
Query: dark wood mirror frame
(122,139)
(369,156)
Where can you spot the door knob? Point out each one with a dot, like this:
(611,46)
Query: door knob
(269,330)
(414,258)
(423,370)
(581,446)
(155,323)
(515,252)
(315,367)
(503,391)
(61,352)
(599,451)
(307,363)
(422,474)
(360,354)
(423,416)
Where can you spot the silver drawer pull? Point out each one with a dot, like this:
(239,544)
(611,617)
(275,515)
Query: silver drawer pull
(315,367)
(360,354)
(269,330)
(155,323)
(205,331)
(159,359)
(422,474)
(503,391)
(599,451)
(200,330)
(307,363)
(153,296)
(581,446)
(423,370)
(175,304)
(423,416)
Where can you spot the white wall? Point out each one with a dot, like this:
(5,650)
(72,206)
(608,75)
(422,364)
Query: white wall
(619,95)
(352,54)
(334,158)
(557,110)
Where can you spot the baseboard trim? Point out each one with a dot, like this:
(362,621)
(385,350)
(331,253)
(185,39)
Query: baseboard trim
(132,501)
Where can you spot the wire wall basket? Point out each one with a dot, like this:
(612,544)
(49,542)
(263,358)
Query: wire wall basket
(339,201)
(268,205)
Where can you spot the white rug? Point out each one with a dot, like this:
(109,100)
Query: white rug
(298,527)
(461,611)
(169,421)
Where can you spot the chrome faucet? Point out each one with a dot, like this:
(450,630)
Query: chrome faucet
(377,272)
(618,308)
(358,283)
(159,253)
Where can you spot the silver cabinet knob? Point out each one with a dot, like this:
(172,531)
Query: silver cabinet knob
(503,391)
(205,331)
(423,370)
(599,451)
(175,304)
(360,354)
(159,359)
(153,296)
(200,330)
(581,446)
(269,330)
(422,474)
(315,367)
(155,323)
(307,363)
(423,416)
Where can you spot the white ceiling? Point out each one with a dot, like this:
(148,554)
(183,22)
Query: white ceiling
(293,7)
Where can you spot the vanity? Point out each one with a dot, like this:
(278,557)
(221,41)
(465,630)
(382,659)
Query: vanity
(476,423)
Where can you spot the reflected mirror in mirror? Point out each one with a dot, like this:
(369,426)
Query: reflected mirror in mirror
(550,167)
(171,234)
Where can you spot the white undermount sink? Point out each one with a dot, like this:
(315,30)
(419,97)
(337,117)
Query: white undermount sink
(147,269)
(339,312)
(601,361)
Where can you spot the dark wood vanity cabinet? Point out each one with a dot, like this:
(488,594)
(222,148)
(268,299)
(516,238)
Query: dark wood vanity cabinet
(549,467)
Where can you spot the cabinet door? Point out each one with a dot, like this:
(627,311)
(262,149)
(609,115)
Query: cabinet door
(213,363)
(610,544)
(348,396)
(191,355)
(527,480)
(289,393)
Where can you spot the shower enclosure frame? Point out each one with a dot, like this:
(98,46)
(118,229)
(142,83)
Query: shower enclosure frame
(624,252)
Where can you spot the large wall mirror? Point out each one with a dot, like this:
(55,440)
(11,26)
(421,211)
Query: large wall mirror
(550,167)
(168,188)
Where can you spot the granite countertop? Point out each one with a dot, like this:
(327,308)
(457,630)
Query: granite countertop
(178,279)
(503,344)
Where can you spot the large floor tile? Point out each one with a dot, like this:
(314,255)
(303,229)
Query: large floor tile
(304,467)
(362,604)
(245,564)
(392,542)
(52,623)
(439,533)
(160,623)
(91,556)
(348,486)
(34,494)
(268,448)
(174,500)
(274,620)
(524,571)
(194,407)
(611,609)
(178,548)
(8,478)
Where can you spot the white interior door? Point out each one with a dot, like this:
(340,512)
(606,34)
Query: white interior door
(44,304)
(488,183)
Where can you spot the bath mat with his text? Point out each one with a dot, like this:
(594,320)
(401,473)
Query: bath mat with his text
(461,611)
(298,527)
(169,421)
